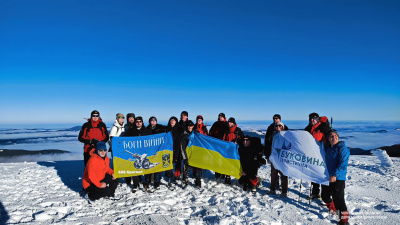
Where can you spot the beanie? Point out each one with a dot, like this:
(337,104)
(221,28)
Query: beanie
(139,118)
(120,115)
(151,118)
(94,112)
(277,116)
(184,113)
(101,145)
(130,115)
(333,131)
(199,117)
(221,114)
(232,120)
(190,123)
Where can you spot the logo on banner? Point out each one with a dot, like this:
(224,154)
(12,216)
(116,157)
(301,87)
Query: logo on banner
(285,155)
(166,160)
(142,162)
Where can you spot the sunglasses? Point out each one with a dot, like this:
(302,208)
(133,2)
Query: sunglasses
(95,115)
(102,150)
(279,125)
(139,121)
(276,118)
(121,117)
(153,120)
(246,140)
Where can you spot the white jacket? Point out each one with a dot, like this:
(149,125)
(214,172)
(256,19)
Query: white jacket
(116,131)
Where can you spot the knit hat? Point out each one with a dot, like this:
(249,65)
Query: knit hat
(199,117)
(130,115)
(184,113)
(314,115)
(151,118)
(139,118)
(333,131)
(232,120)
(190,123)
(101,145)
(221,114)
(94,112)
(280,123)
(172,118)
(120,115)
(277,116)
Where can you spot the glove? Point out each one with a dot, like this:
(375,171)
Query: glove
(94,142)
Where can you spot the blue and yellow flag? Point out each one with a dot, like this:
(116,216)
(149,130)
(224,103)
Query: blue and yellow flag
(214,154)
(141,155)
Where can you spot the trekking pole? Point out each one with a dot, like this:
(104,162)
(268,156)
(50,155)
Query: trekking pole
(331,122)
(301,181)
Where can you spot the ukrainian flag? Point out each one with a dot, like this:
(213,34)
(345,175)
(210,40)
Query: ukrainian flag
(214,154)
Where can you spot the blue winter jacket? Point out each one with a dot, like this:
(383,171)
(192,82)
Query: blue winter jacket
(337,158)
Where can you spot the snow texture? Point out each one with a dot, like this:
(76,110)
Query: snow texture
(49,193)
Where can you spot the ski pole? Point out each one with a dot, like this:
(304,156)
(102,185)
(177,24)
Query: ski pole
(301,181)
(331,122)
(309,200)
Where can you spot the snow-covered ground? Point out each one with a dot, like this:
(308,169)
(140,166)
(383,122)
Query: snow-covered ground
(48,193)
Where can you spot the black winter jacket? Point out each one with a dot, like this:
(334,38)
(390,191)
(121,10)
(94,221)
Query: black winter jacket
(135,132)
(268,139)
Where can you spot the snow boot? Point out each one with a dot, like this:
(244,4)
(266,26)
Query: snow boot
(185,183)
(88,199)
(227,180)
(259,181)
(157,186)
(331,207)
(313,197)
(253,189)
(170,185)
(344,218)
(147,188)
(283,195)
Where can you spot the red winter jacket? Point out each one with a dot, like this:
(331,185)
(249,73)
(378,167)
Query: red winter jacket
(233,133)
(201,128)
(96,170)
(91,130)
(218,129)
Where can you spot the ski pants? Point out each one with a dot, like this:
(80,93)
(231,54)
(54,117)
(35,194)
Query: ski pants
(95,192)
(315,188)
(336,191)
(196,174)
(274,179)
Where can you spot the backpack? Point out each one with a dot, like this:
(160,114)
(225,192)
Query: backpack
(325,120)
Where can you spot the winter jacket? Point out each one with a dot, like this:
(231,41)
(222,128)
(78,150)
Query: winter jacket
(201,128)
(183,142)
(116,131)
(129,126)
(182,126)
(93,130)
(96,170)
(250,159)
(319,131)
(218,129)
(175,137)
(269,138)
(233,134)
(135,132)
(337,159)
(157,129)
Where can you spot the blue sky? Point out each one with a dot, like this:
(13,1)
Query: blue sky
(59,60)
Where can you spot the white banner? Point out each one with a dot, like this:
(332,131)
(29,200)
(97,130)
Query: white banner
(297,154)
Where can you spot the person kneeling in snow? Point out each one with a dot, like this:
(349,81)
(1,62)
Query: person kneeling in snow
(250,159)
(337,158)
(98,179)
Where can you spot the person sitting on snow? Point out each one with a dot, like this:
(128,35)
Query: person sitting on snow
(98,179)
(337,158)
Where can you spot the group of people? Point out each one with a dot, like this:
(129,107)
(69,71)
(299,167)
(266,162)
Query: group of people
(99,181)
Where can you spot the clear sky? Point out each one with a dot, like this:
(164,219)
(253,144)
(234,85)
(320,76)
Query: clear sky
(59,60)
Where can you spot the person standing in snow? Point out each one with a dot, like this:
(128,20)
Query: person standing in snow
(199,126)
(232,134)
(92,132)
(337,158)
(98,178)
(177,157)
(269,137)
(250,159)
(183,142)
(154,128)
(139,130)
(279,126)
(217,130)
(117,130)
(130,121)
(320,132)
(182,124)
